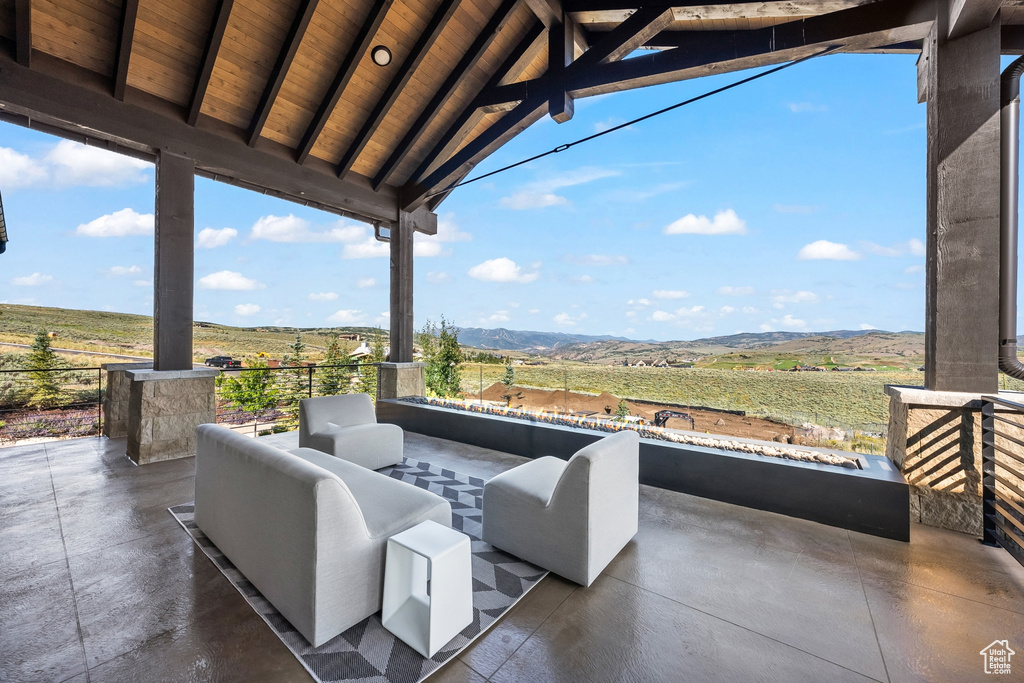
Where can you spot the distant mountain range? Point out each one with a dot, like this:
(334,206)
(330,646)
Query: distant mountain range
(548,343)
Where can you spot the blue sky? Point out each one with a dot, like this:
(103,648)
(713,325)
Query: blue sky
(796,202)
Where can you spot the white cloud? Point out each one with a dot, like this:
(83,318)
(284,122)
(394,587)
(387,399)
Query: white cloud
(661,316)
(19,170)
(76,164)
(724,223)
(209,238)
(804,107)
(322,296)
(866,326)
(916,247)
(533,311)
(913,269)
(735,291)
(795,208)
(33,280)
(787,322)
(142,283)
(247,309)
(823,250)
(501,270)
(448,231)
(290,228)
(629,195)
(123,223)
(498,317)
(750,310)
(726,310)
(425,246)
(229,280)
(348,316)
(120,271)
(368,248)
(639,302)
(541,194)
(788,296)
(791,322)
(670,294)
(566,320)
(438,278)
(366,282)
(583,279)
(598,259)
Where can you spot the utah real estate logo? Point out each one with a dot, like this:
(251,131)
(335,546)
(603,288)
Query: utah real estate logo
(997,657)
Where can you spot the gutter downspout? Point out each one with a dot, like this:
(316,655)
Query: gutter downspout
(1009,159)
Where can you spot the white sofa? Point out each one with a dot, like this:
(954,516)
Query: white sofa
(346,427)
(571,518)
(307,529)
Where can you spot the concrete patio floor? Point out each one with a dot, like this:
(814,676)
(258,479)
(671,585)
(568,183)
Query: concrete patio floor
(99,583)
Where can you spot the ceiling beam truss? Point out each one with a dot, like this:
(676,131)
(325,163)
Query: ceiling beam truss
(129,14)
(213,44)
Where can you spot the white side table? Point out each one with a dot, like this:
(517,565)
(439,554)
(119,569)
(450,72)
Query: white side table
(428,586)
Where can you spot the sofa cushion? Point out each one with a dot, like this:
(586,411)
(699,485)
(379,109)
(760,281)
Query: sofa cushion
(388,505)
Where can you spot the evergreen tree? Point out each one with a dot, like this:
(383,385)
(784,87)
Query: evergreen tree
(42,362)
(295,383)
(335,379)
(509,380)
(622,411)
(368,371)
(443,356)
(253,391)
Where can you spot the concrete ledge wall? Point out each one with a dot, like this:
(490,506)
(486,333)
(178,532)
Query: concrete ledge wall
(873,500)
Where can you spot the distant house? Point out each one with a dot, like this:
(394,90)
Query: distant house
(643,363)
(661,363)
(361,352)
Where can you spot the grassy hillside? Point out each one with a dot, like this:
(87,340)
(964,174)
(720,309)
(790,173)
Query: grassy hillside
(123,333)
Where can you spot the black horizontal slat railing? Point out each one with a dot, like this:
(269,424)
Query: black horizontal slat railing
(50,403)
(1002,480)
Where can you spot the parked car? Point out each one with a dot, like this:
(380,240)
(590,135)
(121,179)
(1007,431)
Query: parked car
(223,362)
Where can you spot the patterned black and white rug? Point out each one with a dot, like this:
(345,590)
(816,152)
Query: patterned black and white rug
(368,652)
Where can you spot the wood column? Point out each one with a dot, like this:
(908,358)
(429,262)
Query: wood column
(960,79)
(401,289)
(174,262)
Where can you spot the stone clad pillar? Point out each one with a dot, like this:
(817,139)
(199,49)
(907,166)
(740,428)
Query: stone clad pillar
(174,262)
(164,409)
(115,398)
(961,84)
(398,380)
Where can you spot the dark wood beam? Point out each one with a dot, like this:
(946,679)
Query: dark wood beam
(631,34)
(129,14)
(405,72)
(968,16)
(524,52)
(75,103)
(281,66)
(548,11)
(504,129)
(469,60)
(1011,38)
(711,9)
(213,43)
(698,53)
(23,31)
(561,51)
(367,31)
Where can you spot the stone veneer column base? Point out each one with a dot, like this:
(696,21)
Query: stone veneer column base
(398,380)
(164,409)
(935,441)
(115,398)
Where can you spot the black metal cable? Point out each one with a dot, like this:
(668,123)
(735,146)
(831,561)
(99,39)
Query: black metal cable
(569,145)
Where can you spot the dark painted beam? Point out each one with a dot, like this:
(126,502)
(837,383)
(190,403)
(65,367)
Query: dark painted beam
(281,66)
(174,262)
(548,11)
(75,103)
(405,72)
(561,46)
(129,14)
(632,33)
(23,31)
(968,16)
(455,79)
(213,43)
(524,52)
(367,31)
(1012,39)
(768,8)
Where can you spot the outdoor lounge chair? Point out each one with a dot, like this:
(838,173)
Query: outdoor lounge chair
(571,518)
(346,427)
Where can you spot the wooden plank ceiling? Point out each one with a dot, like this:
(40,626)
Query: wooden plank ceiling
(465,75)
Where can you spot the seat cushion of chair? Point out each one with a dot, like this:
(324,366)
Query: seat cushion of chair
(388,505)
(533,481)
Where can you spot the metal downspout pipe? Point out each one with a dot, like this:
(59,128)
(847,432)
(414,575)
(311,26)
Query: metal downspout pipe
(1009,152)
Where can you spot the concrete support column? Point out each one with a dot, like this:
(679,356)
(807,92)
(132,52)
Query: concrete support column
(401,289)
(960,80)
(174,262)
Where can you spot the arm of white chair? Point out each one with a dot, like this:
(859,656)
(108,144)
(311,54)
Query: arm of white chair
(531,483)
(370,445)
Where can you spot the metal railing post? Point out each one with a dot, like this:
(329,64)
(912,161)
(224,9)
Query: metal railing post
(310,381)
(988,473)
(99,401)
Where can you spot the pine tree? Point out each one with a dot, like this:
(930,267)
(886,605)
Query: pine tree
(368,371)
(443,356)
(42,362)
(622,411)
(295,383)
(335,379)
(509,380)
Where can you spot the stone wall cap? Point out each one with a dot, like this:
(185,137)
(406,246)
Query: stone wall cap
(402,365)
(113,367)
(919,396)
(156,375)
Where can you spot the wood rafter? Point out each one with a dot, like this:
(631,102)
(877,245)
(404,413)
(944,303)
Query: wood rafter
(213,44)
(455,79)
(523,54)
(23,31)
(367,31)
(129,14)
(765,7)
(281,66)
(561,51)
(426,40)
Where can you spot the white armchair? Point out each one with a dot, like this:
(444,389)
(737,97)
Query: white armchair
(346,427)
(571,518)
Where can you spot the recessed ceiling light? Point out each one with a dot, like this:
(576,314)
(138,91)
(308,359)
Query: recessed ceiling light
(381,55)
